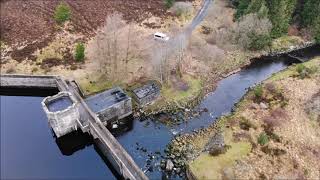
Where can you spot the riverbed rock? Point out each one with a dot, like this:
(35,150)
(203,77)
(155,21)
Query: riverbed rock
(163,164)
(264,105)
(169,165)
(254,106)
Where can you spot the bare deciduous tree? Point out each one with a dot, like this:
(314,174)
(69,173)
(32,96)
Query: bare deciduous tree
(168,56)
(114,46)
(250,24)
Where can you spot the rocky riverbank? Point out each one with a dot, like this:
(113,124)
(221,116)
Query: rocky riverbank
(263,132)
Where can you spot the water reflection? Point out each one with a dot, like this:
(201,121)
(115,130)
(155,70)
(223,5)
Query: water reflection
(30,92)
(77,140)
(73,142)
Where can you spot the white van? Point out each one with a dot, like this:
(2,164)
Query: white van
(160,36)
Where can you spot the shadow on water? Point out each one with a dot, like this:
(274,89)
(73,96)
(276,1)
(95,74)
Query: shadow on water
(73,142)
(307,53)
(35,92)
(77,140)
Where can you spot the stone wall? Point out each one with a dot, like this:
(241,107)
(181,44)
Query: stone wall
(116,111)
(146,94)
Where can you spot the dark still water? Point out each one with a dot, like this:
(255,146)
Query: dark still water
(29,151)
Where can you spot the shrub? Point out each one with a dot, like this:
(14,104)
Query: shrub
(183,9)
(304,71)
(217,150)
(35,69)
(263,139)
(241,8)
(252,32)
(73,67)
(270,87)
(169,3)
(258,91)
(300,68)
(273,151)
(10,70)
(62,13)
(276,118)
(259,41)
(274,95)
(79,54)
(274,137)
(245,124)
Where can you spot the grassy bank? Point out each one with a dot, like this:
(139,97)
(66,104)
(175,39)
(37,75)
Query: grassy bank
(283,136)
(200,169)
(174,98)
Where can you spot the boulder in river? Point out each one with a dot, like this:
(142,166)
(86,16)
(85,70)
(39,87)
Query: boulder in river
(169,165)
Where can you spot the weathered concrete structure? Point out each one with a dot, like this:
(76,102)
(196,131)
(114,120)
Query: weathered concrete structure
(88,122)
(27,81)
(62,112)
(110,105)
(146,94)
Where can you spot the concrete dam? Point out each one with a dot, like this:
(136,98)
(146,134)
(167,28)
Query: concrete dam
(68,111)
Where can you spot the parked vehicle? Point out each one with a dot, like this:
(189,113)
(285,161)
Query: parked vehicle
(160,36)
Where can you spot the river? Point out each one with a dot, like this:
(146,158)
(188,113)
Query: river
(30,151)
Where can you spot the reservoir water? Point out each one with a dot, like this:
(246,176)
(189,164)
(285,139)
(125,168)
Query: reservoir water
(29,150)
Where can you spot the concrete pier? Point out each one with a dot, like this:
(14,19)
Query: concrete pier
(88,121)
(27,81)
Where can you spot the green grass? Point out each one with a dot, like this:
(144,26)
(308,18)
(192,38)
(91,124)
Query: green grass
(258,91)
(292,70)
(210,167)
(172,94)
(284,42)
(171,97)
(96,86)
